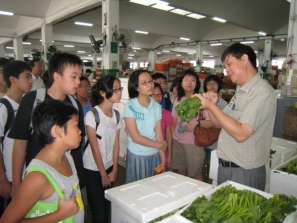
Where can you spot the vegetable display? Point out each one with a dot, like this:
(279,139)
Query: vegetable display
(188,108)
(165,216)
(230,205)
(291,167)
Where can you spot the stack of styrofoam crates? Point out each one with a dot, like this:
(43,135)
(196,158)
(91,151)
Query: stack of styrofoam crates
(285,149)
(177,218)
(282,182)
(150,198)
(214,165)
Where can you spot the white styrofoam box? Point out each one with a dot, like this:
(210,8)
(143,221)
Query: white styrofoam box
(281,155)
(283,142)
(283,183)
(180,219)
(214,165)
(147,199)
(214,183)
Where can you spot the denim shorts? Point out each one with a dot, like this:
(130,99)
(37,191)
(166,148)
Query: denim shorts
(140,167)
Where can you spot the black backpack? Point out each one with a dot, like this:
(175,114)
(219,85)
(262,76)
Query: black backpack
(97,120)
(10,116)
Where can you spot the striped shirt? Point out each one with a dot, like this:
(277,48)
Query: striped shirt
(254,104)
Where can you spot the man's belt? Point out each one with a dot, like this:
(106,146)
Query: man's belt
(227,163)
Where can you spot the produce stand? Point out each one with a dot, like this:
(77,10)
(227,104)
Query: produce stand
(147,199)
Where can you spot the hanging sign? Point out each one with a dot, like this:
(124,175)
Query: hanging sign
(113,47)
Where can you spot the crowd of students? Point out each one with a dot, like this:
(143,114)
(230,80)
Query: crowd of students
(58,136)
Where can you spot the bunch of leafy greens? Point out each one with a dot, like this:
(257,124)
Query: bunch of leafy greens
(188,108)
(291,167)
(230,205)
(165,216)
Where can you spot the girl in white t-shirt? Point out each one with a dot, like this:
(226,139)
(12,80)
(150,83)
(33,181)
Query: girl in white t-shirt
(101,155)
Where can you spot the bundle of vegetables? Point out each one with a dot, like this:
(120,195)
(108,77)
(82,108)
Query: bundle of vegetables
(291,167)
(188,108)
(230,205)
(165,216)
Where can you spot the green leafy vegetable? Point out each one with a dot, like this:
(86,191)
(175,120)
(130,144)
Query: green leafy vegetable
(188,108)
(291,167)
(165,216)
(230,205)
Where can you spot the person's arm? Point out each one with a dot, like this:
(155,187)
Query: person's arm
(116,151)
(18,160)
(5,187)
(36,187)
(239,131)
(174,124)
(159,138)
(190,126)
(169,144)
(139,139)
(91,133)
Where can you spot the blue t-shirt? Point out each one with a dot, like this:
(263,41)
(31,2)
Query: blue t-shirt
(146,121)
(87,107)
(164,105)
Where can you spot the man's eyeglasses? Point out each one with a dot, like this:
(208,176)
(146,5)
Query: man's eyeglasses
(145,83)
(116,90)
(157,95)
(211,84)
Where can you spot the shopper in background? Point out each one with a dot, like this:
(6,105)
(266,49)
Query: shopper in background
(247,122)
(162,80)
(187,158)
(274,81)
(101,155)
(142,116)
(17,75)
(173,89)
(56,124)
(166,123)
(3,87)
(214,84)
(36,74)
(89,74)
(82,94)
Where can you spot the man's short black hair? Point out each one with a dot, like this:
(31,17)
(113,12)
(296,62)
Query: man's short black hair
(3,61)
(214,78)
(84,78)
(14,68)
(88,71)
(237,50)
(32,62)
(156,76)
(59,61)
(49,113)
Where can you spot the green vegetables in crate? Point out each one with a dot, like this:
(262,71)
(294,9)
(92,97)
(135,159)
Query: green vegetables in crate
(291,167)
(230,205)
(188,108)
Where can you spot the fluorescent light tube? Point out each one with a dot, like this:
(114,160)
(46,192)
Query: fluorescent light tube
(166,51)
(216,44)
(247,42)
(158,53)
(184,38)
(144,2)
(136,48)
(68,46)
(26,43)
(178,55)
(219,19)
(83,23)
(131,55)
(210,56)
(262,33)
(196,16)
(180,11)
(142,32)
(81,51)
(191,53)
(9,47)
(163,6)
(6,13)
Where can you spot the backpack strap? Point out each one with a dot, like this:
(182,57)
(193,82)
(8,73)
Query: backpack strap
(48,177)
(97,121)
(73,101)
(10,116)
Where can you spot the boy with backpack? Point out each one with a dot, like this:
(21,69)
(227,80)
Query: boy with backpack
(64,72)
(17,75)
(49,191)
(166,101)
(3,87)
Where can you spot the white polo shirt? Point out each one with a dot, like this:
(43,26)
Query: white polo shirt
(37,83)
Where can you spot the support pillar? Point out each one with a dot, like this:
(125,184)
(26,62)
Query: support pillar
(94,61)
(18,48)
(267,53)
(151,60)
(47,40)
(186,59)
(138,63)
(2,51)
(110,23)
(199,57)
(292,34)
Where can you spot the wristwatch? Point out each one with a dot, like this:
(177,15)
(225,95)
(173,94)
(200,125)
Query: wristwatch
(199,123)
